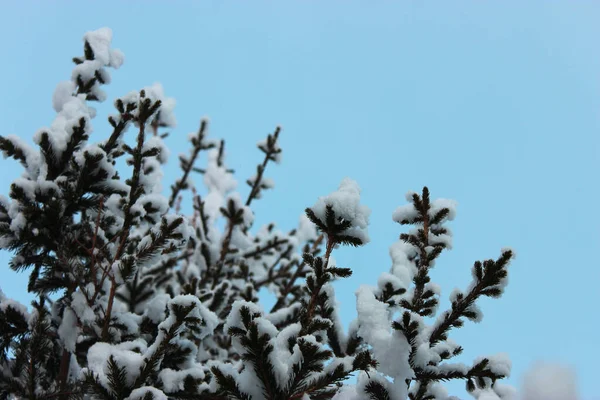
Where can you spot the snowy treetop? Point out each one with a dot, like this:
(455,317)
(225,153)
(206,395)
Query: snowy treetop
(139,297)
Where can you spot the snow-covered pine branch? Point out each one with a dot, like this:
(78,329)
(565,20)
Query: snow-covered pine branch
(136,300)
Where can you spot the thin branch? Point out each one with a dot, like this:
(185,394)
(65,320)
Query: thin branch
(188,165)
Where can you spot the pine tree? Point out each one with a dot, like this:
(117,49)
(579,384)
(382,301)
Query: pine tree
(135,300)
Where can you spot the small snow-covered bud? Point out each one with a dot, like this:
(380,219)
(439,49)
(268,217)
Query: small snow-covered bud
(100,42)
(345,203)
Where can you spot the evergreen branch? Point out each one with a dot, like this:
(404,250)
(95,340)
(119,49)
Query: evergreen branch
(223,254)
(152,362)
(322,384)
(281,273)
(188,165)
(297,274)
(118,129)
(421,278)
(488,280)
(12,148)
(199,209)
(270,245)
(146,109)
(228,385)
(316,291)
(270,151)
(376,391)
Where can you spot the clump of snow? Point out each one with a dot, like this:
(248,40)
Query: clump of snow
(156,309)
(438,391)
(6,302)
(443,238)
(247,380)
(397,389)
(346,204)
(389,279)
(173,381)
(69,116)
(476,310)
(81,308)
(403,267)
(409,195)
(346,392)
(390,350)
(62,94)
(234,318)
(141,393)
(282,359)
(32,156)
(68,331)
(125,354)
(166,116)
(88,70)
(306,230)
(283,313)
(200,311)
(549,381)
(499,363)
(219,183)
(497,392)
(156,143)
(434,287)
(28,187)
(456,292)
(425,355)
(276,154)
(216,178)
(100,41)
(505,392)
(406,212)
(438,204)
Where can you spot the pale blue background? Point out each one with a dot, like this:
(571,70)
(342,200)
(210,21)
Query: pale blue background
(494,104)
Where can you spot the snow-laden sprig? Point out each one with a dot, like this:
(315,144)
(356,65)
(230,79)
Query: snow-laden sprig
(64,175)
(219,182)
(489,280)
(341,216)
(272,151)
(316,324)
(139,108)
(428,239)
(132,366)
(390,349)
(14,323)
(90,71)
(283,363)
(165,116)
(72,125)
(427,348)
(199,143)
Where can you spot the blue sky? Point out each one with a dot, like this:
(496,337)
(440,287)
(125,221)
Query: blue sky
(493,104)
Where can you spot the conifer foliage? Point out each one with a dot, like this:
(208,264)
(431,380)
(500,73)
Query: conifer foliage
(135,300)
